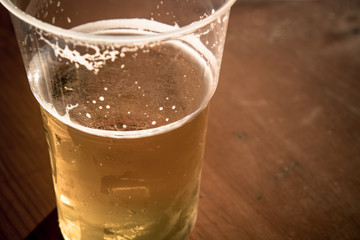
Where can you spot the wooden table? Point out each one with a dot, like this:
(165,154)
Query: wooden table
(283,146)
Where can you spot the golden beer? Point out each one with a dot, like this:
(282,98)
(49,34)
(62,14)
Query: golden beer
(126,156)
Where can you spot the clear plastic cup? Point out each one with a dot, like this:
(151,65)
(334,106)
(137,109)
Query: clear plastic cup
(123,88)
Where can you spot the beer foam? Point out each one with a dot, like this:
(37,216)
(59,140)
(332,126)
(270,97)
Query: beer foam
(93,62)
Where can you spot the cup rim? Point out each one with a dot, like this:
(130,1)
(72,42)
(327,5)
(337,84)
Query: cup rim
(69,33)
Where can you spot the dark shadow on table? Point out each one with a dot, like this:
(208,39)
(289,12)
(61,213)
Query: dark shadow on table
(48,229)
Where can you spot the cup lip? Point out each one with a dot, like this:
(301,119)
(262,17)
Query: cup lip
(69,33)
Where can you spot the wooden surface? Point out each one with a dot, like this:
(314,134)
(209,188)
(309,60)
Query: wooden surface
(283,147)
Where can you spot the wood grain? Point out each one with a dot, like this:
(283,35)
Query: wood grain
(26,192)
(283,147)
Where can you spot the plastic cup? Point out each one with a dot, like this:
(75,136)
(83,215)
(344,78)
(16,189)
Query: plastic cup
(123,88)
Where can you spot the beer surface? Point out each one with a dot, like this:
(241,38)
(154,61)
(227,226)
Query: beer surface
(143,88)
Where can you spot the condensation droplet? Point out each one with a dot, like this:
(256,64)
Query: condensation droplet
(173,107)
(107,106)
(153,122)
(88,115)
(101,98)
(94,101)
(161,108)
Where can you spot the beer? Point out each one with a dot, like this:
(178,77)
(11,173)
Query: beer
(126,142)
